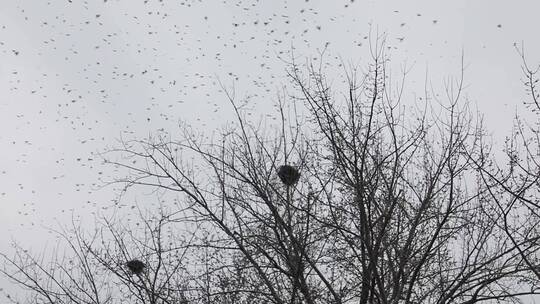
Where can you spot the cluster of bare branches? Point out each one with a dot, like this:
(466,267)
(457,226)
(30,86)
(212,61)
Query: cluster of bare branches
(375,204)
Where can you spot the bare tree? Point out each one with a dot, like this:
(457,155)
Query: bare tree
(97,266)
(350,199)
(514,185)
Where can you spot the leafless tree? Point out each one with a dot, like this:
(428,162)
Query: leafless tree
(375,204)
(514,185)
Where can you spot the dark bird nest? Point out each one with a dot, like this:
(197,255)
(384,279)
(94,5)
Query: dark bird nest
(288,175)
(135,266)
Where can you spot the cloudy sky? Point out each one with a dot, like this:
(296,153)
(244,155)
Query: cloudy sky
(75,76)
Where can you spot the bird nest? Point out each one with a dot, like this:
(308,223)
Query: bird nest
(288,175)
(135,266)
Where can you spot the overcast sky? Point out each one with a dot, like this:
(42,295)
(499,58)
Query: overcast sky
(75,76)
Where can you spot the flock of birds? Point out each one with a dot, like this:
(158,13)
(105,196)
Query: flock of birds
(77,75)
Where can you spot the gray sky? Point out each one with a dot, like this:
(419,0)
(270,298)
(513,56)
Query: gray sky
(77,75)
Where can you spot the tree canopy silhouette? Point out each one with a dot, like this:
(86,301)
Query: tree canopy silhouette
(393,206)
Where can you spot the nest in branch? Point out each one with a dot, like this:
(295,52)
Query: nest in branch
(135,266)
(288,175)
